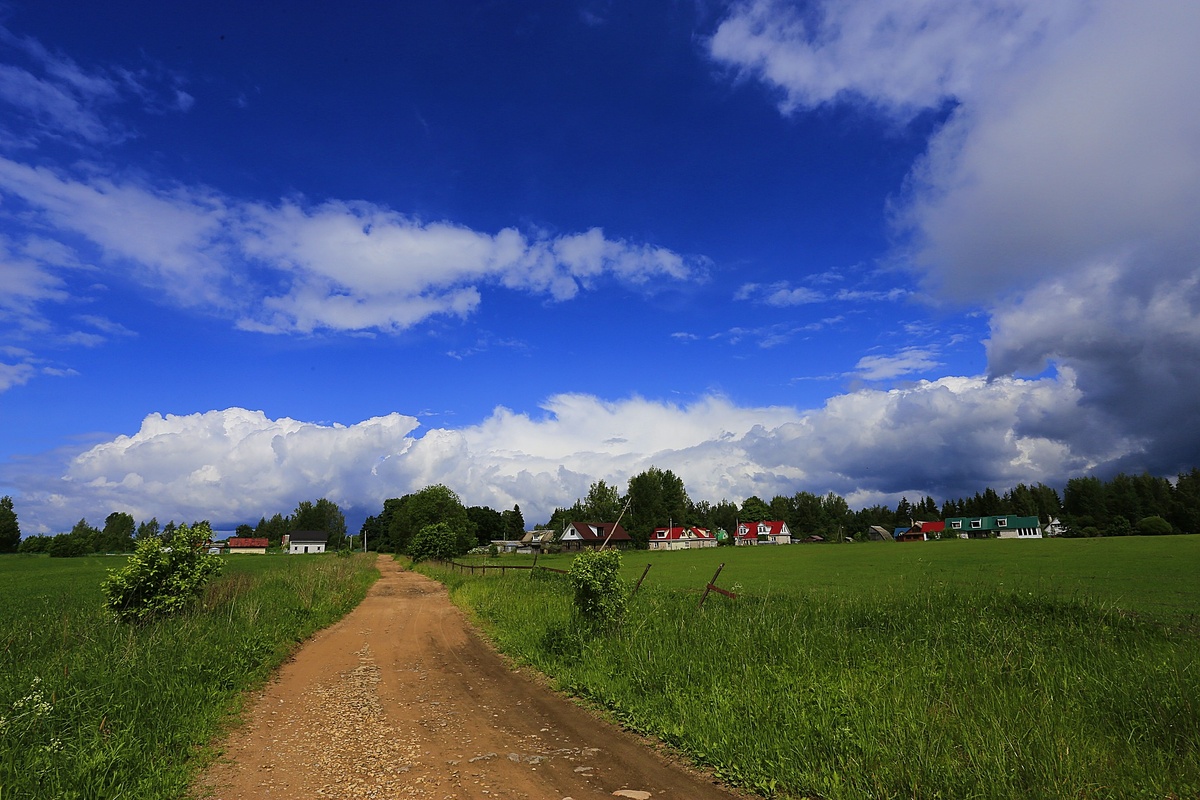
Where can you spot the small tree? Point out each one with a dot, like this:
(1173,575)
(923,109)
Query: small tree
(595,576)
(10,530)
(162,577)
(435,541)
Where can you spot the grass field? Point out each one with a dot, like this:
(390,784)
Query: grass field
(95,709)
(1155,575)
(997,669)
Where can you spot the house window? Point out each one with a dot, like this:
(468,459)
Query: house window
(976,523)
(956,524)
(1002,522)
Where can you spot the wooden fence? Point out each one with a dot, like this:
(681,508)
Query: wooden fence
(482,569)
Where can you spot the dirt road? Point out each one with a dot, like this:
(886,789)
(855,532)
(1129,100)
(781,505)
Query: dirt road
(401,699)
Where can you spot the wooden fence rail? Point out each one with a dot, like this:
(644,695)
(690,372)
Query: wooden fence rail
(483,569)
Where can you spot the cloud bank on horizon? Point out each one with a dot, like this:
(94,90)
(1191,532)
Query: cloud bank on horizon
(1058,194)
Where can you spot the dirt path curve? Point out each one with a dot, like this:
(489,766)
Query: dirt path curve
(401,699)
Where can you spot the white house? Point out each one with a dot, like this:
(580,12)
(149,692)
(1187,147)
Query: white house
(307,542)
(773,531)
(579,535)
(681,538)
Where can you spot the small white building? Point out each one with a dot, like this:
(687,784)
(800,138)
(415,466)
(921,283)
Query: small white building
(307,542)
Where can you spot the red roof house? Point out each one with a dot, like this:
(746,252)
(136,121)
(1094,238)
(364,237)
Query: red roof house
(247,544)
(681,538)
(771,531)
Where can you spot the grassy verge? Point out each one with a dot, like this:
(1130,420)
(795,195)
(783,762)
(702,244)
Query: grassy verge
(95,709)
(919,689)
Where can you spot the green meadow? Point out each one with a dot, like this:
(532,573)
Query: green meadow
(90,708)
(962,669)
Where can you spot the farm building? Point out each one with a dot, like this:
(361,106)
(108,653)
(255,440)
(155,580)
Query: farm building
(774,531)
(247,544)
(591,535)
(307,542)
(877,534)
(681,538)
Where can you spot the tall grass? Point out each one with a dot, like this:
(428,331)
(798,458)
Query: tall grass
(928,691)
(97,709)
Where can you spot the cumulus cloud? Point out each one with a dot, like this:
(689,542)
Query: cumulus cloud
(219,465)
(1062,194)
(946,437)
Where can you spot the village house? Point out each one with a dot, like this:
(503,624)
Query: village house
(774,531)
(247,544)
(307,542)
(592,535)
(1002,527)
(681,538)
(536,541)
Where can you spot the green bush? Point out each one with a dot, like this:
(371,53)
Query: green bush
(162,577)
(599,595)
(1154,526)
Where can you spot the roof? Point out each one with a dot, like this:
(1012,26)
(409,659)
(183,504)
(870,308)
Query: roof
(599,531)
(248,541)
(746,530)
(540,535)
(310,537)
(678,532)
(929,527)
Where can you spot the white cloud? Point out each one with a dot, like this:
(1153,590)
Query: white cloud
(780,294)
(909,361)
(342,266)
(901,56)
(945,437)
(15,374)
(359,266)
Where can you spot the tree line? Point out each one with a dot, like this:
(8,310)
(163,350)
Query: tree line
(1088,506)
(121,534)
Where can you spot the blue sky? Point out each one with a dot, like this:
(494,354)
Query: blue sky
(255,255)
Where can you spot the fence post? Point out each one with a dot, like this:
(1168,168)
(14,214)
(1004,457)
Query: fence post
(712,587)
(639,583)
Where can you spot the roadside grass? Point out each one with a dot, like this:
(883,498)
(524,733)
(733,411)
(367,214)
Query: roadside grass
(96,709)
(835,677)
